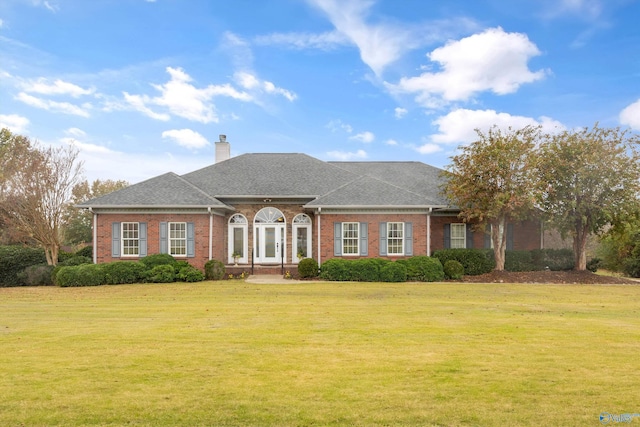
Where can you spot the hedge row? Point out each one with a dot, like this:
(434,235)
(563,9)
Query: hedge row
(481,261)
(158,268)
(418,268)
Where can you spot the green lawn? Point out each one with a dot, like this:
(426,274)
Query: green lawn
(231,353)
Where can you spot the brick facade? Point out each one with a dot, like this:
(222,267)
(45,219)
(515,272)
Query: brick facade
(526,234)
(201,238)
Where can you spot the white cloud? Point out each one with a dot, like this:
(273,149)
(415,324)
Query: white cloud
(250,82)
(59,87)
(342,155)
(428,148)
(14,122)
(590,9)
(458,127)
(186,138)
(489,61)
(335,125)
(324,41)
(391,142)
(58,107)
(365,137)
(1,23)
(181,98)
(79,133)
(87,147)
(400,112)
(385,41)
(630,116)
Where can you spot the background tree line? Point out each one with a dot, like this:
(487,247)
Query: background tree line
(39,187)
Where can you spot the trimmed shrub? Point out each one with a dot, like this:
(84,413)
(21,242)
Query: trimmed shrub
(71,261)
(335,269)
(80,275)
(63,256)
(86,251)
(594,264)
(14,260)
(151,261)
(474,261)
(631,267)
(519,261)
(423,269)
(189,273)
(163,273)
(393,272)
(308,268)
(122,272)
(453,270)
(555,259)
(37,275)
(364,270)
(214,270)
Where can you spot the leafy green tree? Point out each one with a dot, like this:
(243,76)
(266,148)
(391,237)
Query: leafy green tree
(78,223)
(492,181)
(589,179)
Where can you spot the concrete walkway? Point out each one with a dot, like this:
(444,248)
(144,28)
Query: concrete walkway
(271,279)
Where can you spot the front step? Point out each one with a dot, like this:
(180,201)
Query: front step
(260,269)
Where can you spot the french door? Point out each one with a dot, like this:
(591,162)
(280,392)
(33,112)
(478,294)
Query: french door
(270,243)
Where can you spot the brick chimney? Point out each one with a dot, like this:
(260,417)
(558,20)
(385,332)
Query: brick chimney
(223,149)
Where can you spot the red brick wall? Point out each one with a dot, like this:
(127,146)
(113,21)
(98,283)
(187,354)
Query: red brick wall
(201,225)
(526,234)
(419,222)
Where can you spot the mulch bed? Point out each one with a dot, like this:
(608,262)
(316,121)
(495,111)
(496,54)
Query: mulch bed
(559,277)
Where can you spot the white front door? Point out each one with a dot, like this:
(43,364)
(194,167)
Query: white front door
(269,243)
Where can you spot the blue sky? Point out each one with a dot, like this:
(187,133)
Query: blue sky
(145,87)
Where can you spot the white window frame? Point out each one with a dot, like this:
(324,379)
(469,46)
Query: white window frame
(126,250)
(354,229)
(173,241)
(301,221)
(238,221)
(458,239)
(397,238)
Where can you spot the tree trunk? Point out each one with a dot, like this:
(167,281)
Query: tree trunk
(499,239)
(580,248)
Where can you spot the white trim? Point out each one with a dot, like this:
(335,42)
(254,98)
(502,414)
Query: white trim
(122,239)
(95,236)
(176,239)
(238,221)
(401,253)
(429,233)
(357,238)
(463,226)
(301,221)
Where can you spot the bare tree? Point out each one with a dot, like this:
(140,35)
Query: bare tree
(37,192)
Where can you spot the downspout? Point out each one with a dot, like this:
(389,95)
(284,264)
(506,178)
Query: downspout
(95,236)
(210,233)
(319,243)
(429,232)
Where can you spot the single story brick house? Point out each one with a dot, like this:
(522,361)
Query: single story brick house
(274,209)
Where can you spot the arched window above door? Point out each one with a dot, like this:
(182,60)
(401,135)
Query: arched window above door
(269,216)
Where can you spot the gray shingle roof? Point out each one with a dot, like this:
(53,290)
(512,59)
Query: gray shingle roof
(416,177)
(270,175)
(324,184)
(366,191)
(168,190)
